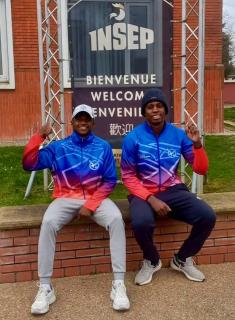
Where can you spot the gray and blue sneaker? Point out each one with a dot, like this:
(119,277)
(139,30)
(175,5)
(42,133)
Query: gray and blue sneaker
(144,276)
(188,268)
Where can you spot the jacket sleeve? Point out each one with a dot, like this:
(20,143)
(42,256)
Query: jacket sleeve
(129,169)
(196,157)
(109,181)
(200,161)
(35,158)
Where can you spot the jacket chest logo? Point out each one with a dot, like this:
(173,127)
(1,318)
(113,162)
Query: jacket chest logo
(171,153)
(94,164)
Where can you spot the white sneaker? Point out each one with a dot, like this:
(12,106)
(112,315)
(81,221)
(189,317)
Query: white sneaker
(145,275)
(118,296)
(188,268)
(42,301)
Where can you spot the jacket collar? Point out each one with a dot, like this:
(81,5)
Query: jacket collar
(150,130)
(77,139)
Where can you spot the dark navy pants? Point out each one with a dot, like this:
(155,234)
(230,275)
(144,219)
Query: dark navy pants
(185,207)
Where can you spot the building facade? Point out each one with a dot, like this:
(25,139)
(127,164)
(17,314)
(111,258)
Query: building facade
(20,105)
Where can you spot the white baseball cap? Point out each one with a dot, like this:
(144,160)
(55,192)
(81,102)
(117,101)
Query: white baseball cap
(83,108)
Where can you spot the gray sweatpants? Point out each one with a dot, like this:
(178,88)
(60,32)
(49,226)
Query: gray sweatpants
(60,212)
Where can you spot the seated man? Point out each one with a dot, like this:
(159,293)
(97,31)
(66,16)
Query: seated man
(150,158)
(84,173)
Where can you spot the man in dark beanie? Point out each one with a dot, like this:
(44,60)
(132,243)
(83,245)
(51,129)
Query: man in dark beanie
(154,95)
(150,157)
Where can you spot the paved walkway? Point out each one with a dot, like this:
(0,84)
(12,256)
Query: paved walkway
(169,297)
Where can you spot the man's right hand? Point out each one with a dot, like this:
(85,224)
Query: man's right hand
(159,206)
(45,130)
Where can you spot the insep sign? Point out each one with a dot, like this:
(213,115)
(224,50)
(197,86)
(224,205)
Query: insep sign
(120,36)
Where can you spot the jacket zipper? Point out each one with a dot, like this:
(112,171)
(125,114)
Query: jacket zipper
(79,175)
(159,166)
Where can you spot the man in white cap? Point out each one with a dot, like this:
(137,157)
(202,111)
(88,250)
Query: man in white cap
(84,174)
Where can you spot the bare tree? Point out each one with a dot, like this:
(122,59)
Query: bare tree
(228,53)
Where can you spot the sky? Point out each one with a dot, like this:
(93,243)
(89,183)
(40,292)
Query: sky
(229,9)
(229,13)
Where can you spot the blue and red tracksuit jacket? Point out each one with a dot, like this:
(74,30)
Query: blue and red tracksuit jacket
(149,162)
(81,168)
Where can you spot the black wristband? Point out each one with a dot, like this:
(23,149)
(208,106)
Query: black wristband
(197,146)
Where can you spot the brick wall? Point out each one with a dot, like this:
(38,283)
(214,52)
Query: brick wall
(84,249)
(229,92)
(25,34)
(21,107)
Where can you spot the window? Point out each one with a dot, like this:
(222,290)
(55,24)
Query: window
(7,76)
(103,42)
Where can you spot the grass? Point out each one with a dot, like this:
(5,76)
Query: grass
(14,181)
(220,178)
(229,127)
(221,175)
(229,114)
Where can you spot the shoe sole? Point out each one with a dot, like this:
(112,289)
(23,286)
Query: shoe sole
(121,308)
(173,266)
(52,300)
(150,279)
(118,307)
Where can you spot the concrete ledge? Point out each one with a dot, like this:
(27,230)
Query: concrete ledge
(83,247)
(30,216)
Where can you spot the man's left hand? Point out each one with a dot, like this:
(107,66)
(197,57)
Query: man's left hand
(85,212)
(194,135)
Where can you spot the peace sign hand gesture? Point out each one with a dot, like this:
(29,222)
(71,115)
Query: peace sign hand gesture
(194,135)
(45,130)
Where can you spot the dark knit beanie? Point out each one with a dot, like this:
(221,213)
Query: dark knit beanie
(153,95)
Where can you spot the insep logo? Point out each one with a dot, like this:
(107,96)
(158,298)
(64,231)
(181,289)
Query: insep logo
(120,36)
